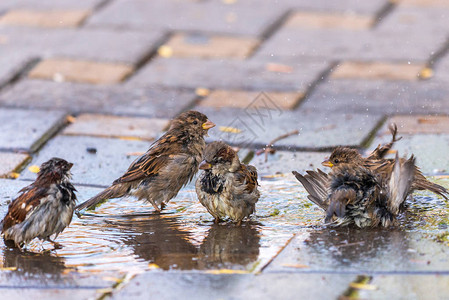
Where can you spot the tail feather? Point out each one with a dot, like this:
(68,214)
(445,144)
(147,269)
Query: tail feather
(314,187)
(400,182)
(110,192)
(421,183)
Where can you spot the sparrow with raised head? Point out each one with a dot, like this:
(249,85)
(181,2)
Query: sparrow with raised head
(43,208)
(169,164)
(353,194)
(384,167)
(227,188)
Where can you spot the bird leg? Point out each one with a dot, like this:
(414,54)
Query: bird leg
(239,223)
(56,245)
(163,205)
(156,207)
(217,220)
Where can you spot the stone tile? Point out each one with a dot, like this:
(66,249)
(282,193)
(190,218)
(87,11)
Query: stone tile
(379,96)
(242,99)
(257,127)
(303,19)
(418,124)
(12,63)
(49,4)
(81,71)
(119,100)
(282,162)
(111,160)
(235,286)
(375,45)
(28,130)
(441,71)
(424,3)
(337,6)
(203,46)
(116,127)
(377,70)
(215,17)
(103,45)
(79,293)
(11,162)
(51,19)
(265,75)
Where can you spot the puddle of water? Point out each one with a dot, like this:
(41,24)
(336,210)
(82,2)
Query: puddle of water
(123,235)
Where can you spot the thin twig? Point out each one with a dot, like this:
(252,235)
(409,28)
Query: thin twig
(269,148)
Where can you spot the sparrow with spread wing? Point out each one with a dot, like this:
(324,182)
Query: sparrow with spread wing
(169,164)
(43,208)
(353,194)
(227,188)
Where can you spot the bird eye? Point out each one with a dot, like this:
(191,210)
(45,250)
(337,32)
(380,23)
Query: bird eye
(195,122)
(336,161)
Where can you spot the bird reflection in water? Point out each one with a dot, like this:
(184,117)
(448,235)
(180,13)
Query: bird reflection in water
(172,244)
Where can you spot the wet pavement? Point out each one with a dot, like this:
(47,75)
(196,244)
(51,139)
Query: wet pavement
(337,72)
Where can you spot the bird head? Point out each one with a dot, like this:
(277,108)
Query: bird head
(219,158)
(343,155)
(194,122)
(55,170)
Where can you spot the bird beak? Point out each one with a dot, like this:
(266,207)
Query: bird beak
(204,165)
(208,125)
(70,165)
(327,163)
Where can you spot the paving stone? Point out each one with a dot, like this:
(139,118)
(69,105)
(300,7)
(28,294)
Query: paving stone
(421,124)
(11,162)
(285,162)
(116,127)
(12,63)
(49,4)
(265,75)
(80,71)
(51,19)
(110,160)
(234,286)
(28,130)
(119,100)
(257,127)
(424,3)
(374,45)
(206,16)
(441,71)
(200,45)
(338,6)
(329,21)
(378,96)
(242,99)
(351,250)
(102,45)
(377,70)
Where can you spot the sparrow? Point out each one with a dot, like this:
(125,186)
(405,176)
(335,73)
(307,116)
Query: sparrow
(169,164)
(352,194)
(226,188)
(384,167)
(43,208)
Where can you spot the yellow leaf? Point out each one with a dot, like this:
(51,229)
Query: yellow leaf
(70,119)
(165,51)
(153,266)
(363,286)
(299,266)
(34,169)
(426,73)
(229,129)
(203,92)
(227,271)
(13,175)
(114,279)
(8,269)
(105,291)
(130,138)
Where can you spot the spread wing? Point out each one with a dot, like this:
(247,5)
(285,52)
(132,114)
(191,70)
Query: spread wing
(247,175)
(153,160)
(23,206)
(316,184)
(381,151)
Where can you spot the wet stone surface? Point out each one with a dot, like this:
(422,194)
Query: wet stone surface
(27,130)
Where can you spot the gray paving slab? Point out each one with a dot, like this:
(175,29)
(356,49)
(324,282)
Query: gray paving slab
(282,162)
(87,44)
(233,286)
(27,130)
(378,96)
(317,130)
(111,160)
(11,162)
(117,100)
(351,45)
(49,4)
(232,74)
(12,63)
(346,6)
(441,71)
(239,17)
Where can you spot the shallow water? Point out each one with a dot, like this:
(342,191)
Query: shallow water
(124,236)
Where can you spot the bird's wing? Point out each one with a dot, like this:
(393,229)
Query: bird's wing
(316,184)
(400,182)
(381,151)
(247,175)
(24,205)
(420,182)
(338,201)
(153,160)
